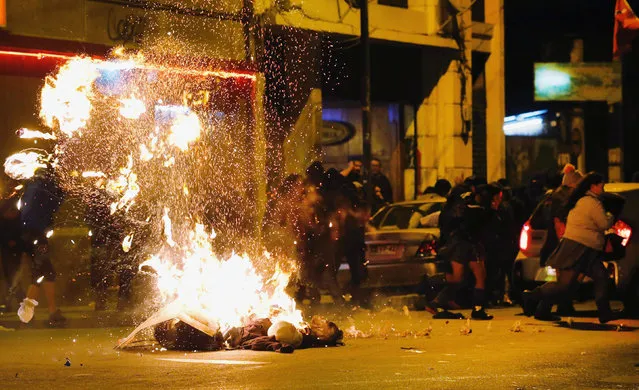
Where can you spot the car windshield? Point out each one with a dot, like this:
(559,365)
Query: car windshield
(406,216)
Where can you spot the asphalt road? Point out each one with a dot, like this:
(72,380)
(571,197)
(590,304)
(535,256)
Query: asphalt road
(394,349)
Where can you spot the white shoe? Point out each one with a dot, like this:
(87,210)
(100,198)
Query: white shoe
(27,309)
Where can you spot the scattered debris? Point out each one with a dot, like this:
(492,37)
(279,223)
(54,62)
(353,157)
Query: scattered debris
(516,328)
(355,333)
(466,330)
(583,353)
(407,348)
(67,363)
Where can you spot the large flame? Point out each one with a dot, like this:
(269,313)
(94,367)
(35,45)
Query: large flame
(225,292)
(66,97)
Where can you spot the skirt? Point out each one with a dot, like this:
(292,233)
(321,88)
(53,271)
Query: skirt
(572,255)
(462,250)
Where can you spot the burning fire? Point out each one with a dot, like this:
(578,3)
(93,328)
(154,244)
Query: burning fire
(185,130)
(66,97)
(83,104)
(25,133)
(223,292)
(23,165)
(132,108)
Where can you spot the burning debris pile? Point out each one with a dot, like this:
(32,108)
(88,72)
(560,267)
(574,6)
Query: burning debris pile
(162,150)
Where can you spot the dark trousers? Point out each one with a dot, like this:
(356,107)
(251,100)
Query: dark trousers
(10,267)
(567,283)
(37,247)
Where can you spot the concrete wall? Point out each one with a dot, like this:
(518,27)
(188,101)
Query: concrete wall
(417,24)
(96,22)
(495,92)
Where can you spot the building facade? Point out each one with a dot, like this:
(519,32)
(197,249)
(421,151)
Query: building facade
(437,73)
(437,86)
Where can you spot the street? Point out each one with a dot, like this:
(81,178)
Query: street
(394,349)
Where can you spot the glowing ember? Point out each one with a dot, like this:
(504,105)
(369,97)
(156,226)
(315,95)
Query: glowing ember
(126,243)
(93,174)
(25,133)
(145,155)
(185,130)
(168,233)
(132,108)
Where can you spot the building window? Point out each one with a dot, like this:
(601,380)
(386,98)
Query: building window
(394,3)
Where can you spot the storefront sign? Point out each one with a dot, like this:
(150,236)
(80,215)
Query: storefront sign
(578,82)
(336,133)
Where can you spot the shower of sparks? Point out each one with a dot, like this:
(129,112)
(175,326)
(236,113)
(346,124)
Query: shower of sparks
(155,140)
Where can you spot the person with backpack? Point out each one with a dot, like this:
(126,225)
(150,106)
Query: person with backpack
(460,224)
(580,251)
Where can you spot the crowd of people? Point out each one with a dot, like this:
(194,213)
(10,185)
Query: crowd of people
(326,211)
(478,233)
(480,225)
(319,219)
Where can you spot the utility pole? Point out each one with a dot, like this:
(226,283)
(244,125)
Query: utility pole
(365,44)
(578,134)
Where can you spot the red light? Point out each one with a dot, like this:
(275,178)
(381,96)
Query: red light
(524,238)
(37,55)
(623,230)
(427,248)
(224,74)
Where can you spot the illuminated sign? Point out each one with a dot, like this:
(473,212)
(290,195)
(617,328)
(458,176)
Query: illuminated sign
(578,82)
(3,13)
(529,124)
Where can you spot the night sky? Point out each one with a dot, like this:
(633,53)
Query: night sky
(542,31)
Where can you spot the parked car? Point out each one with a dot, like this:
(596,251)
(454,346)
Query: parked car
(527,272)
(401,246)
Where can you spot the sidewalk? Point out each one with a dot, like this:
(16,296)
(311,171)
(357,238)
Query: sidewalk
(77,317)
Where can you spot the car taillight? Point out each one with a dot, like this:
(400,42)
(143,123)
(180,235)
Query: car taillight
(524,238)
(427,248)
(623,230)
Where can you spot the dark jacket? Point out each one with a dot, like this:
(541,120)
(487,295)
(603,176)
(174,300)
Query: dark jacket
(42,198)
(381,181)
